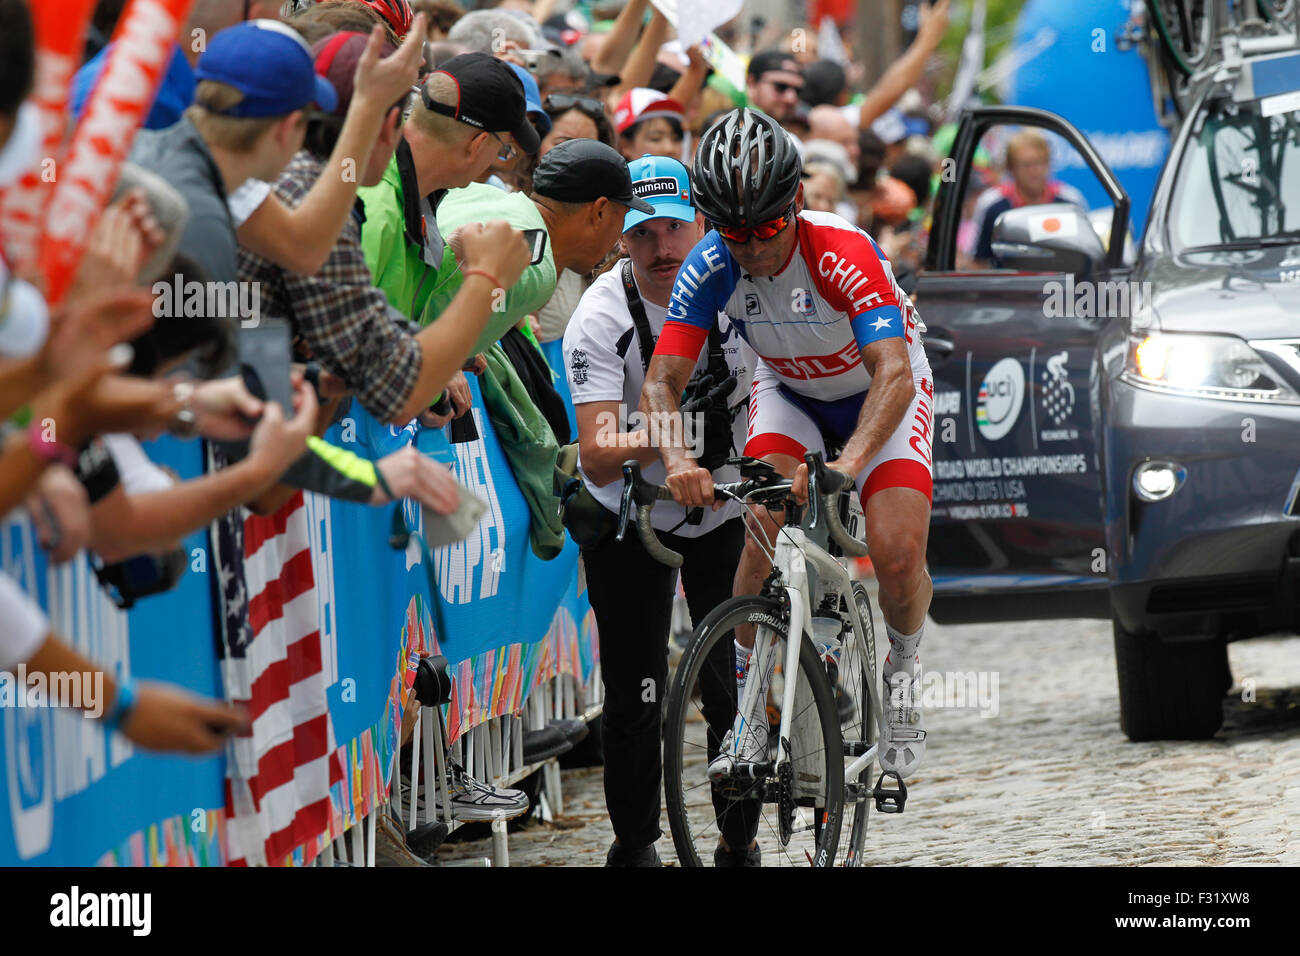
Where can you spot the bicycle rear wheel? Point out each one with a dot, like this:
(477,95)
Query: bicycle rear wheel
(796,817)
(857,671)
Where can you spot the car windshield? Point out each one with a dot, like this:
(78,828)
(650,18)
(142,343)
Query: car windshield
(1240,179)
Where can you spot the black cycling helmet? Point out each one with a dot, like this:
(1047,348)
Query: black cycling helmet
(746,169)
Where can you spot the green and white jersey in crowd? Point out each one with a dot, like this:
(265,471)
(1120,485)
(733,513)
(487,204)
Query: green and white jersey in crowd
(477,203)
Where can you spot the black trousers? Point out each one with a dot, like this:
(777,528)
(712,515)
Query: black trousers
(632,596)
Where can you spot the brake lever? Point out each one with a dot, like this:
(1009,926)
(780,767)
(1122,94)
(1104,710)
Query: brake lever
(631,475)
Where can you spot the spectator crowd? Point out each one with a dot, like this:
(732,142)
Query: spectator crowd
(405,194)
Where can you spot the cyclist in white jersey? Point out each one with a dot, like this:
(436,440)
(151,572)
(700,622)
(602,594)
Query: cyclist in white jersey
(840,362)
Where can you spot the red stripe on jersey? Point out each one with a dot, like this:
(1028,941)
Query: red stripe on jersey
(681,339)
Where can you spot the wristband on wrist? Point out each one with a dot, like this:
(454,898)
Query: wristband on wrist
(49,449)
(184,423)
(487,275)
(383,485)
(123,704)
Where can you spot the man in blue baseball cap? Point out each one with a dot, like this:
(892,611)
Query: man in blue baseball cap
(607,346)
(255,82)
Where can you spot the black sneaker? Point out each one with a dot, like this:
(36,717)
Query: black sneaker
(753,856)
(646,856)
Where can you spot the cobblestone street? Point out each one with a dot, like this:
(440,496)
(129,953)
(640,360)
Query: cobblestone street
(1050,779)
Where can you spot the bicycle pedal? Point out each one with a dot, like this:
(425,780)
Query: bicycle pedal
(893,799)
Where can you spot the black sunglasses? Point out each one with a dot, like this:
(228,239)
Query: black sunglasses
(560,102)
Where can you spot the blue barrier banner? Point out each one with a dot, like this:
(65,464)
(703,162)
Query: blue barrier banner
(75,795)
(505,619)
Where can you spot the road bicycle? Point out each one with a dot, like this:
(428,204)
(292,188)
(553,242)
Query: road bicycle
(1193,38)
(809,801)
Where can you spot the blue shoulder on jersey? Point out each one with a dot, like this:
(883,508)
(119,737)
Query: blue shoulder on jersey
(882,322)
(704,283)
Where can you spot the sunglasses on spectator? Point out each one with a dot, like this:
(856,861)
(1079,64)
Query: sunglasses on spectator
(783,88)
(506,150)
(559,102)
(763,230)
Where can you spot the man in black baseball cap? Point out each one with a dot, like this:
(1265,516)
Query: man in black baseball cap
(581,192)
(488,97)
(468,112)
(584,190)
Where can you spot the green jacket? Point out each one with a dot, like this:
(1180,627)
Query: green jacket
(479,202)
(529,446)
(395,233)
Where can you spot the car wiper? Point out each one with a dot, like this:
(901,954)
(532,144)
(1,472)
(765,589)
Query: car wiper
(1239,244)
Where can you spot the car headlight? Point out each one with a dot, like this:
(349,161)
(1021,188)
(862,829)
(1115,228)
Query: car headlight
(1209,366)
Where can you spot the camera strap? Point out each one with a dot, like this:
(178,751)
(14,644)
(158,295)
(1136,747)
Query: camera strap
(717,361)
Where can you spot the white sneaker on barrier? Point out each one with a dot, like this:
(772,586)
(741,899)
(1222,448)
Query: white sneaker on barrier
(902,745)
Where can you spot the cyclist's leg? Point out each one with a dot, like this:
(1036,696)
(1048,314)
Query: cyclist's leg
(781,434)
(896,488)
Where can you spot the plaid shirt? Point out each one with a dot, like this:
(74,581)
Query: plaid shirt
(343,319)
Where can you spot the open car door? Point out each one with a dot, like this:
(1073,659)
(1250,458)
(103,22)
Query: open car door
(1017,529)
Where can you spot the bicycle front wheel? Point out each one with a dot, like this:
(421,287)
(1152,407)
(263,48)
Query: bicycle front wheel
(795,815)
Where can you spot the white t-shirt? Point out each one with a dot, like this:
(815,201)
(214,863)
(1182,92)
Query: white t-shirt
(602,357)
(246,198)
(25,628)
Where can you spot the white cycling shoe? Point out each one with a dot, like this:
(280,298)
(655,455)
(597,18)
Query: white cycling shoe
(752,748)
(902,745)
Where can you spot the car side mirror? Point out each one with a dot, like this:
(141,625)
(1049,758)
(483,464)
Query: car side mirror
(1057,237)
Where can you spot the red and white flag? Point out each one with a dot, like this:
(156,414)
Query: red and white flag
(278,777)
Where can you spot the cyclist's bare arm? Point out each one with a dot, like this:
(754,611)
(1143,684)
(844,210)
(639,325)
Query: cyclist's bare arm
(690,484)
(892,390)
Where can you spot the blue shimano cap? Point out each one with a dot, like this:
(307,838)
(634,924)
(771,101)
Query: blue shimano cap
(665,184)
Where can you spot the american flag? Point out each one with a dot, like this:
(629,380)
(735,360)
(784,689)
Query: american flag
(278,777)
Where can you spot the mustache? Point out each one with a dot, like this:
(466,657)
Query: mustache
(665,263)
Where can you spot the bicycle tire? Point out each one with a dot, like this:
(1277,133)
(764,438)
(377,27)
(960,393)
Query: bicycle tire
(1280,13)
(857,813)
(1186,40)
(718,626)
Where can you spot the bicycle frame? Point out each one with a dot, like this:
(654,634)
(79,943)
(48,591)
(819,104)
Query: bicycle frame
(793,554)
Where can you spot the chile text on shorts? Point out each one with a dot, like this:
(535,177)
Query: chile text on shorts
(177,298)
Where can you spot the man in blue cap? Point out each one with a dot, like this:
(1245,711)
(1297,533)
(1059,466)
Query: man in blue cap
(255,82)
(607,345)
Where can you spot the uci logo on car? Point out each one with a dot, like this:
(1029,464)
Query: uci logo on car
(1001,394)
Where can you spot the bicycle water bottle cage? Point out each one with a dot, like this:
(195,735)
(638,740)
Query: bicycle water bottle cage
(890,799)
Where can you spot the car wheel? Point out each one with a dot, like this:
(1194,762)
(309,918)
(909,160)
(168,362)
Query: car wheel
(1170,691)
